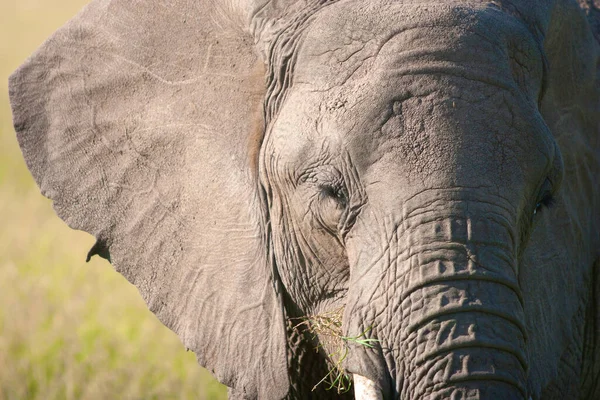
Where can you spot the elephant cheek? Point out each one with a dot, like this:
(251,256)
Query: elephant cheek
(448,319)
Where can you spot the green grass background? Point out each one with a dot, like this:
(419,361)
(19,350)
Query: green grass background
(69,330)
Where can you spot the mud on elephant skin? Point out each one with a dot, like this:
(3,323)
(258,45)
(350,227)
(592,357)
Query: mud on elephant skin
(428,170)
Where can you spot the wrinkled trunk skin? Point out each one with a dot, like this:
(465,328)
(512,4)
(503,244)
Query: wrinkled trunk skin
(443,301)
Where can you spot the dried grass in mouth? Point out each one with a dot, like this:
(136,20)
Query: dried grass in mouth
(326,328)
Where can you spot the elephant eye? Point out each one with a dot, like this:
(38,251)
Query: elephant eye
(335,192)
(330,207)
(546,201)
(546,198)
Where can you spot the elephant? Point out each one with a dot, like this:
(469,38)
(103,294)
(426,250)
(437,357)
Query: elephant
(400,195)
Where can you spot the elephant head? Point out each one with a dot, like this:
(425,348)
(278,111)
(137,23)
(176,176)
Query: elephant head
(430,168)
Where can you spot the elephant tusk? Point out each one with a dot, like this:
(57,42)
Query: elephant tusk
(365,389)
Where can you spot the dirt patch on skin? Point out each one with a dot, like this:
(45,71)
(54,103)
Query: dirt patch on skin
(592,9)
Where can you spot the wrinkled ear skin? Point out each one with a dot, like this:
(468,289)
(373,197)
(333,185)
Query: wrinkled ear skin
(142,121)
(561,259)
(591,345)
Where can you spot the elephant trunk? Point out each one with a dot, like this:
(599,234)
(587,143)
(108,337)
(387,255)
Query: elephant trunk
(462,334)
(454,328)
(469,343)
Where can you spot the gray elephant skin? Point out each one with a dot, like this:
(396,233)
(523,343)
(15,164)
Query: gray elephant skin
(430,171)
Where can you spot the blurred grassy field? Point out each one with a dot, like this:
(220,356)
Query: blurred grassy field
(69,330)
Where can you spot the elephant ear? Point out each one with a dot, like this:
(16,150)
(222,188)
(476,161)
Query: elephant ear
(142,121)
(557,263)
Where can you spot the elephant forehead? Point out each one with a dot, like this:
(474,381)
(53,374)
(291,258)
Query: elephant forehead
(349,41)
(372,70)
